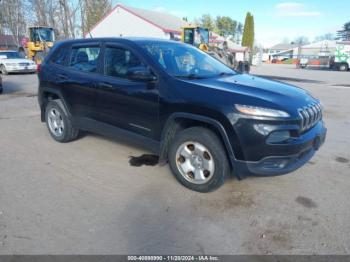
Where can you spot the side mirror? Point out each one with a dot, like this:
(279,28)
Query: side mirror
(141,74)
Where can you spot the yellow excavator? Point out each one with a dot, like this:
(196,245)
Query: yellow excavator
(199,37)
(196,36)
(40,40)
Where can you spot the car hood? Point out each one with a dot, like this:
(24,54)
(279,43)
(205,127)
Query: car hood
(263,91)
(17,60)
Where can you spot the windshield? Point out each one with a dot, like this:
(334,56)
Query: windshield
(201,36)
(41,34)
(182,60)
(9,55)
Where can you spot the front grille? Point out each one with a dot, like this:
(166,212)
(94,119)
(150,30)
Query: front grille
(24,64)
(310,115)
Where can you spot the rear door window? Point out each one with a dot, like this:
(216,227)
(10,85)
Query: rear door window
(60,56)
(118,62)
(85,58)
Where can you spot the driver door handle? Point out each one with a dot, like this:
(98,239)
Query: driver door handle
(62,77)
(105,86)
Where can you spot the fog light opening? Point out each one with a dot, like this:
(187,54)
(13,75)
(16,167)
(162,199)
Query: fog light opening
(278,136)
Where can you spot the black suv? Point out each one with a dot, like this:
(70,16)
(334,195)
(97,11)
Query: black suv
(202,117)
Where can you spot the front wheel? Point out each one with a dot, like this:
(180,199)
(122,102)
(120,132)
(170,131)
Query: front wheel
(58,122)
(198,159)
(3,70)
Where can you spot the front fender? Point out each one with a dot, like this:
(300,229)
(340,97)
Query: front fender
(172,125)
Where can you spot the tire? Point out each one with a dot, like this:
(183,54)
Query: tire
(213,164)
(1,89)
(58,123)
(3,70)
(343,67)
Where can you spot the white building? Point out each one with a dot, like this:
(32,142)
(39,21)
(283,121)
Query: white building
(124,21)
(130,21)
(323,48)
(281,51)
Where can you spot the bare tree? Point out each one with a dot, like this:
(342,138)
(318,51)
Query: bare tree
(69,18)
(13,21)
(62,15)
(94,10)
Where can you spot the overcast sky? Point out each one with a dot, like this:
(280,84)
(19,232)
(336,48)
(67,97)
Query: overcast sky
(275,20)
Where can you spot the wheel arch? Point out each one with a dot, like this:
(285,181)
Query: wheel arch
(48,94)
(182,120)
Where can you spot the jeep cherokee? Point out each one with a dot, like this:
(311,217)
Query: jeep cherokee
(199,115)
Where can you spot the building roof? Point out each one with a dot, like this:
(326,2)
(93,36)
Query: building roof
(7,41)
(283,46)
(322,44)
(165,21)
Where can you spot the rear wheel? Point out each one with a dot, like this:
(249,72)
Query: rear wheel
(58,122)
(343,67)
(198,159)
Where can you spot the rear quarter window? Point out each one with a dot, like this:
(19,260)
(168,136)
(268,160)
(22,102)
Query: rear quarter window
(59,57)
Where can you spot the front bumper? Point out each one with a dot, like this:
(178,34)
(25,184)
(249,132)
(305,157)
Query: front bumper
(28,69)
(283,158)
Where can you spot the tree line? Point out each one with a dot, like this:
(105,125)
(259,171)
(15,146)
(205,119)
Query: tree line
(344,33)
(73,19)
(229,28)
(69,18)
(223,25)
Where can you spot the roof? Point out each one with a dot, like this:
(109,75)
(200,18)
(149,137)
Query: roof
(7,40)
(109,38)
(284,52)
(283,46)
(126,40)
(321,44)
(232,46)
(165,21)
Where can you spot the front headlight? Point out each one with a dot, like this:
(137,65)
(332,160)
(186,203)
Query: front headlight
(261,111)
(10,64)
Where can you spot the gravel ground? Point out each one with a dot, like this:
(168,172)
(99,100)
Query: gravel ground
(85,198)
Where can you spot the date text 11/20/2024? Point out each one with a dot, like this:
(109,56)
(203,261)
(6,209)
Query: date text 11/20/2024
(173,258)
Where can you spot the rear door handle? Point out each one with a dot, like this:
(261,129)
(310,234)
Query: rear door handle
(105,86)
(62,77)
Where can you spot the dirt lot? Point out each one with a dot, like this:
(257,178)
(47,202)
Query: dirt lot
(85,198)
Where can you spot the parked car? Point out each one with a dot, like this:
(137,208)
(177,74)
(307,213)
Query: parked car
(202,117)
(1,89)
(12,62)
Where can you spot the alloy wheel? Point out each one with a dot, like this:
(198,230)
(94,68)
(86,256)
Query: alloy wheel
(195,162)
(56,123)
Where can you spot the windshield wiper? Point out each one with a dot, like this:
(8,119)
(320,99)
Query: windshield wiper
(190,76)
(226,74)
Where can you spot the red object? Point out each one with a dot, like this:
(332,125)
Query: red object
(24,41)
(38,67)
